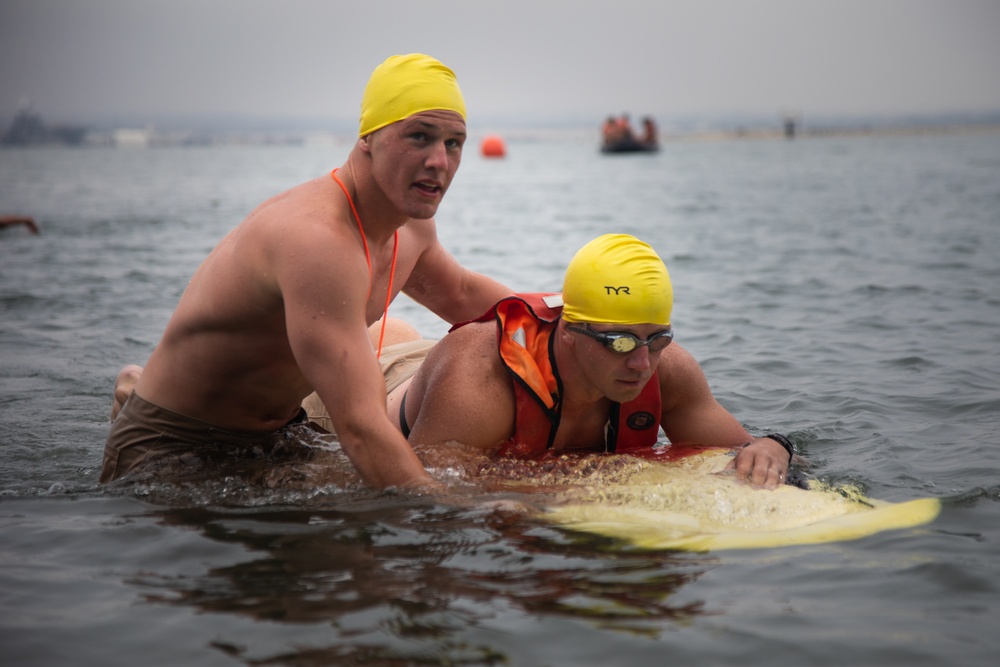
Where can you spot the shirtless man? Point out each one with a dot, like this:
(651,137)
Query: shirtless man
(282,305)
(605,358)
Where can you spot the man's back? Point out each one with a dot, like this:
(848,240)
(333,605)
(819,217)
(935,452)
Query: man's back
(225,356)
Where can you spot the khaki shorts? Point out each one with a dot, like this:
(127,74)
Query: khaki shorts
(143,432)
(399,363)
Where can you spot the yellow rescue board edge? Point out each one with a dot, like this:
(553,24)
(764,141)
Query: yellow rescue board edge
(650,530)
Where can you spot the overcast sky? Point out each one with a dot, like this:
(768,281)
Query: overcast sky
(515,59)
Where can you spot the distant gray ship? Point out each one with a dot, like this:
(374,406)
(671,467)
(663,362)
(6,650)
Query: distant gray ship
(28,129)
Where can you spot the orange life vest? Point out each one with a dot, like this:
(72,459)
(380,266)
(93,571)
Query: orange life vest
(525,324)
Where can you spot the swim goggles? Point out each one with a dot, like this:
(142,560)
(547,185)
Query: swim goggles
(623,343)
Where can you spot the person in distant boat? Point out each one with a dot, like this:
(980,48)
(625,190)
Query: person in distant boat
(27,221)
(649,134)
(625,131)
(592,369)
(610,131)
(282,306)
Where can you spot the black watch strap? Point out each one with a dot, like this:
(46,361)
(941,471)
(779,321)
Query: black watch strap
(784,442)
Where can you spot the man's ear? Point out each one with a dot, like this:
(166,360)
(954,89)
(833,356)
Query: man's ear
(363,143)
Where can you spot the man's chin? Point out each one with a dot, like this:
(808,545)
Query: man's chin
(626,391)
(423,211)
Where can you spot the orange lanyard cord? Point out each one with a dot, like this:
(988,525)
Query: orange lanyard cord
(368,259)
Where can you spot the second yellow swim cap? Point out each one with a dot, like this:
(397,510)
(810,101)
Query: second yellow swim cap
(404,85)
(617,279)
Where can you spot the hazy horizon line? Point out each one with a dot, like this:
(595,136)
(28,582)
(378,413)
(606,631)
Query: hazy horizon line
(248,122)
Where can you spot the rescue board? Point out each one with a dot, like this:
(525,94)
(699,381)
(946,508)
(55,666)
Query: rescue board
(690,503)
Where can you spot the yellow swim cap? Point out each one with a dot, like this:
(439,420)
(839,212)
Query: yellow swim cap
(404,85)
(617,279)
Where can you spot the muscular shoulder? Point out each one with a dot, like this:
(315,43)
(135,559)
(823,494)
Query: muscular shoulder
(467,354)
(465,393)
(680,375)
(417,238)
(303,236)
(298,213)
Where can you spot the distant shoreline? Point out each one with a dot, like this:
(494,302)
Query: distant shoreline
(829,131)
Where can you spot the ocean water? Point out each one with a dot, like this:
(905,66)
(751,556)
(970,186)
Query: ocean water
(843,290)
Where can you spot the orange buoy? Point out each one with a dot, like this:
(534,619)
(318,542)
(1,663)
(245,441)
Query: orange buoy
(492,146)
